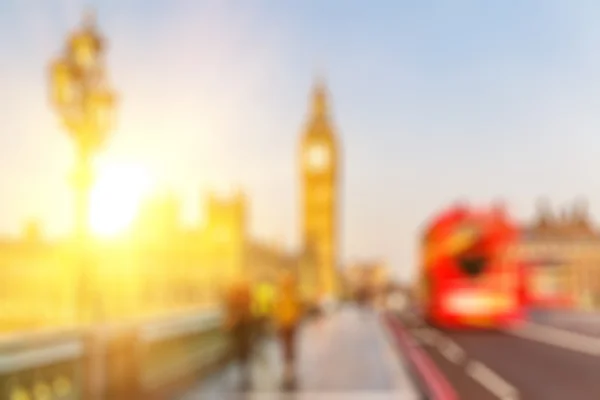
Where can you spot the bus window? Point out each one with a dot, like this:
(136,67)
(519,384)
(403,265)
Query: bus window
(474,265)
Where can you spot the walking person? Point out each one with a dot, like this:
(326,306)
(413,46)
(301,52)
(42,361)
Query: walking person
(287,315)
(239,322)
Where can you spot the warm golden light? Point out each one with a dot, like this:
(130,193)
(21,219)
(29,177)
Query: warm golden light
(117,196)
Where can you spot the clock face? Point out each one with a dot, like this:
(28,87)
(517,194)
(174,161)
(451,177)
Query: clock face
(317,157)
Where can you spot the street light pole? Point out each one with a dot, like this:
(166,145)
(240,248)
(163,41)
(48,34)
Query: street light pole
(82,184)
(85,103)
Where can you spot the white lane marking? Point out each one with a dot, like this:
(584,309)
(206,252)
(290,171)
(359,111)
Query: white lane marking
(446,346)
(453,352)
(492,381)
(478,371)
(460,353)
(558,337)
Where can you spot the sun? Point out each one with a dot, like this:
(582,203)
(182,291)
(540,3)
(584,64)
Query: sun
(116,197)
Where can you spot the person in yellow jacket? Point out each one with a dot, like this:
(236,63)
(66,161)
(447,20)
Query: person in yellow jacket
(288,312)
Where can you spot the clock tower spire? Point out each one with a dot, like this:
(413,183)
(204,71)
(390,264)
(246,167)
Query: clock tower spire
(319,197)
(319,99)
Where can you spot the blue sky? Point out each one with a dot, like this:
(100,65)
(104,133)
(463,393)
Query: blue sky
(433,101)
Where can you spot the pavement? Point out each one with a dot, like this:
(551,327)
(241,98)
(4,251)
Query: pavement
(345,355)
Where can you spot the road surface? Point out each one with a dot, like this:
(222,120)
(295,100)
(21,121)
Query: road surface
(504,365)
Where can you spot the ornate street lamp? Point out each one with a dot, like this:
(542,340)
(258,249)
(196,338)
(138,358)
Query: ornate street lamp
(85,104)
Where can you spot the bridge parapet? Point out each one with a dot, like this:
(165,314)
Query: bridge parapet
(133,360)
(46,364)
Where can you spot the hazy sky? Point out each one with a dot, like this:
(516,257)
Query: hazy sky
(433,101)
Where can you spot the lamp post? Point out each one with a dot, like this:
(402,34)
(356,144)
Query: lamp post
(85,103)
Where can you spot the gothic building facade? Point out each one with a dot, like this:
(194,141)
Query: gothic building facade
(562,250)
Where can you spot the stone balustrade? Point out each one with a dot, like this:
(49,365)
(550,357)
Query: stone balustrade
(133,360)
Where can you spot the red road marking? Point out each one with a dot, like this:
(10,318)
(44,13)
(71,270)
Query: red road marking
(436,382)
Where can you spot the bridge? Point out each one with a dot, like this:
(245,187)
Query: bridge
(137,359)
(187,356)
(351,353)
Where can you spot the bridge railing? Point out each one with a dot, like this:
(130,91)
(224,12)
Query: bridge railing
(135,360)
(45,364)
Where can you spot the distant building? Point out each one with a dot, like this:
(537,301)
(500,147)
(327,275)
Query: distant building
(159,218)
(562,251)
(162,266)
(226,232)
(371,278)
(36,283)
(194,265)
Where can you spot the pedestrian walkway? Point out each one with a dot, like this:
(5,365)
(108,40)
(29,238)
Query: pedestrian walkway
(346,355)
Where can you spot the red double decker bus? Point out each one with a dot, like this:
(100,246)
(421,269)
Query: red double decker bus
(468,276)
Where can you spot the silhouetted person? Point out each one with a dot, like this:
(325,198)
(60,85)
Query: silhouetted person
(240,322)
(288,312)
(362,296)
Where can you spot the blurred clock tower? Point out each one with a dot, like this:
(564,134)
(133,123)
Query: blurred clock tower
(319,177)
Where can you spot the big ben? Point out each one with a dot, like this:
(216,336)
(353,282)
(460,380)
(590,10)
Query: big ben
(319,177)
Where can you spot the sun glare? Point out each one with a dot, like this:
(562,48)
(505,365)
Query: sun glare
(116,197)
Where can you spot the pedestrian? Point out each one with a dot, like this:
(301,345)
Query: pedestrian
(239,322)
(287,315)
